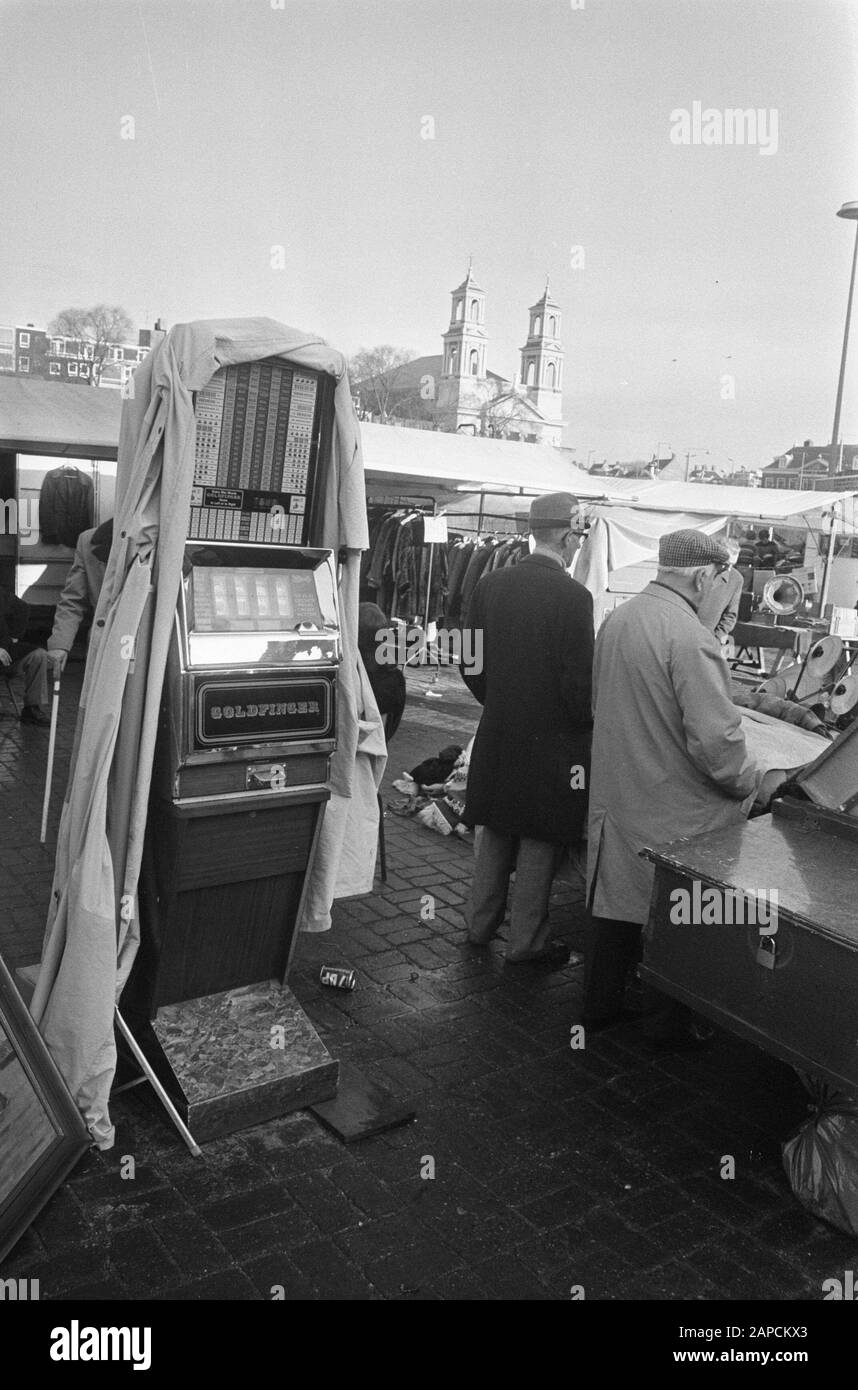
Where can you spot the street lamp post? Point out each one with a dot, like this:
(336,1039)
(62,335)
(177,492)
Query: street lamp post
(849,210)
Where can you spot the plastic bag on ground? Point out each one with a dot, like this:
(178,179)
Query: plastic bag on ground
(821,1160)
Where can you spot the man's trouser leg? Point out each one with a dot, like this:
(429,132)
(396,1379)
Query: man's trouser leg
(494,861)
(534,874)
(33,666)
(613,948)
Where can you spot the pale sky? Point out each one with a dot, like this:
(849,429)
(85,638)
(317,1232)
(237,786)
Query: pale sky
(257,126)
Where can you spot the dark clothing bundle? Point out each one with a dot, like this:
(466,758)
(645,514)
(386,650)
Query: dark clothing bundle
(533,626)
(433,771)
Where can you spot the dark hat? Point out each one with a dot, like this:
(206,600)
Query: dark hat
(690,549)
(552,509)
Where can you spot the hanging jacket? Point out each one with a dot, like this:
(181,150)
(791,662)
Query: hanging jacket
(65,506)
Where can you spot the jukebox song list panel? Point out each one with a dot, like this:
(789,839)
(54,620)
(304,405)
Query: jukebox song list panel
(252,476)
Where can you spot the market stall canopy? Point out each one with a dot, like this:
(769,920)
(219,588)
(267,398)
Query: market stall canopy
(467,464)
(50,417)
(711,499)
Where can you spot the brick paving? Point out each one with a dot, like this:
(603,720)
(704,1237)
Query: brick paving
(553,1167)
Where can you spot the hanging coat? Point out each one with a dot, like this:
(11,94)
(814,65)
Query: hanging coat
(669,755)
(91,936)
(536,627)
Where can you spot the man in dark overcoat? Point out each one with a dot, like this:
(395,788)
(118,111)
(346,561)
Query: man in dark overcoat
(531,635)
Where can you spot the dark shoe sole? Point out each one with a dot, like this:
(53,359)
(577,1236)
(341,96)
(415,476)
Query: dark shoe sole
(548,960)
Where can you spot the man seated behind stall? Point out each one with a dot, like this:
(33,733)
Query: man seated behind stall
(719,610)
(80,593)
(19,656)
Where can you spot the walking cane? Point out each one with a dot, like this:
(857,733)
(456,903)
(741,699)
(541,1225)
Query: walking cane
(55,708)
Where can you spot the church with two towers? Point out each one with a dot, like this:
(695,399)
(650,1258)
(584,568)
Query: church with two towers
(458,393)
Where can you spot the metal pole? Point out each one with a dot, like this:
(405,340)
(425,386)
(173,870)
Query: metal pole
(828,559)
(156,1085)
(835,430)
(50,771)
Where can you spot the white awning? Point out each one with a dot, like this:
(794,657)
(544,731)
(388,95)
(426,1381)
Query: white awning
(53,417)
(468,464)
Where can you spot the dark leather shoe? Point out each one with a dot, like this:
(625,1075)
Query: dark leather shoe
(552,957)
(31,714)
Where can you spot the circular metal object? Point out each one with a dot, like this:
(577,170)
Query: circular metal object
(783,594)
(844,696)
(824,656)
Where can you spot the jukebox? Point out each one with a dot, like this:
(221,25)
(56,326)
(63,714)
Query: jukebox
(239,786)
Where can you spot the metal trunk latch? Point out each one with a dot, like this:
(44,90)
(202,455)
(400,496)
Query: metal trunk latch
(766,952)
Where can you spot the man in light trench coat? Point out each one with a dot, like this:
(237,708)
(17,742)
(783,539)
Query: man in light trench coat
(669,761)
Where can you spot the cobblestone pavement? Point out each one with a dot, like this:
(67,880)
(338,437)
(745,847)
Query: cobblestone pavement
(553,1167)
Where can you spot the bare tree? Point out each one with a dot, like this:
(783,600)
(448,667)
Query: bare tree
(507,415)
(100,327)
(374,373)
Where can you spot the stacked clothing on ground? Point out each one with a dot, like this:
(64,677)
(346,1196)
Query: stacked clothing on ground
(400,566)
(435,790)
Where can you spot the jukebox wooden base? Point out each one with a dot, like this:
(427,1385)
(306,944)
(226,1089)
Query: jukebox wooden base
(237,1058)
(220,893)
(793,992)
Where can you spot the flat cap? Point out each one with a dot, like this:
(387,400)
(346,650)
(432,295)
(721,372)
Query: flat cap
(553,509)
(689,549)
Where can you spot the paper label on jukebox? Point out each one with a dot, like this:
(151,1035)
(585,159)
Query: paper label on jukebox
(261,711)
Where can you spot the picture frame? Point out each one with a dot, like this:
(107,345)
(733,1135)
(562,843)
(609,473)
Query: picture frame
(42,1134)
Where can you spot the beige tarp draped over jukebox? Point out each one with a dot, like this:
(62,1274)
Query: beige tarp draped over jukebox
(91,936)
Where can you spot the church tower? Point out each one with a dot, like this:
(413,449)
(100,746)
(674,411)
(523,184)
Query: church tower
(463,387)
(542,359)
